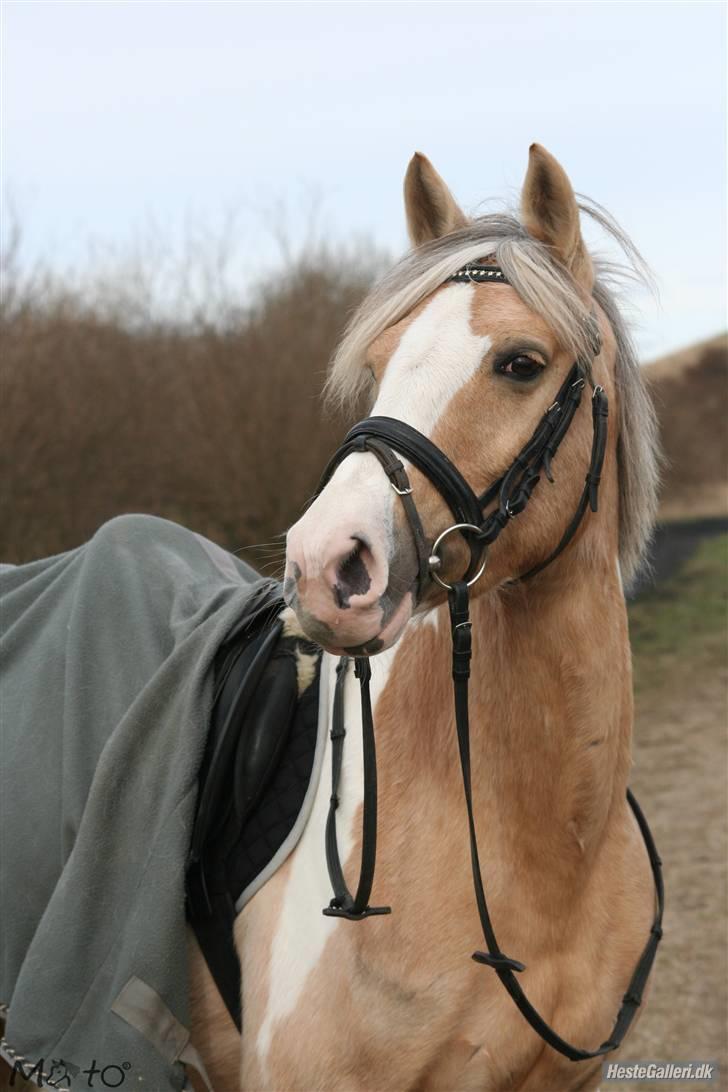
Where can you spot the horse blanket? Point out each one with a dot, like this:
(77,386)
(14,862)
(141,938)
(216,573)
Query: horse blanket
(107,688)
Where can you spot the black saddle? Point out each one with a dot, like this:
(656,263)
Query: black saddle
(253,778)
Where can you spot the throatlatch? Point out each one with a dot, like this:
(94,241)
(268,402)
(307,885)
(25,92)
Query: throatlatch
(511,492)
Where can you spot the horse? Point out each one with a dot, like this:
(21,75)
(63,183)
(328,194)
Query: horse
(474,353)
(466,342)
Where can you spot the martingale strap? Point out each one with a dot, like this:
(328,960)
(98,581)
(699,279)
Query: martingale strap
(510,495)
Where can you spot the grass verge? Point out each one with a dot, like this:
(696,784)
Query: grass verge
(682,625)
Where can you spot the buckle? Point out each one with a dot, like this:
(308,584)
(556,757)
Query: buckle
(498,961)
(398,479)
(333,910)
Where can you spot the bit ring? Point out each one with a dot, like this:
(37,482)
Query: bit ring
(435,557)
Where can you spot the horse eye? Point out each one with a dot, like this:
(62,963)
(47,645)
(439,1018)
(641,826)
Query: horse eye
(521,367)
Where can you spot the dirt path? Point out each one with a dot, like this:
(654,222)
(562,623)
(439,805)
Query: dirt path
(681,781)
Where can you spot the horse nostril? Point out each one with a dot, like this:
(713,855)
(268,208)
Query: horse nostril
(352,577)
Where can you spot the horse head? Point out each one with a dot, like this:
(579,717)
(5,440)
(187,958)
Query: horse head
(485,327)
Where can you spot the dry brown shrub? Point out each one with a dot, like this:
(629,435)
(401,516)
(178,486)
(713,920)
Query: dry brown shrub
(212,418)
(151,386)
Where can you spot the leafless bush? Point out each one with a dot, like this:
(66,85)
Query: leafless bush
(150,387)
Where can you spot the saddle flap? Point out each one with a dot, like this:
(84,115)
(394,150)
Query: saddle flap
(268,720)
(223,740)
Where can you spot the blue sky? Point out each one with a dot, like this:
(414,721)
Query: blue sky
(115,115)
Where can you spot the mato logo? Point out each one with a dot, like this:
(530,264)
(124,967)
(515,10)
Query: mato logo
(64,1075)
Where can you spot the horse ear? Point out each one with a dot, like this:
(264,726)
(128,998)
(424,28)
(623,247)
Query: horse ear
(551,214)
(431,209)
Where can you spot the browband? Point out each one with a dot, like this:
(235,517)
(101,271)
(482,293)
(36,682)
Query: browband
(479,273)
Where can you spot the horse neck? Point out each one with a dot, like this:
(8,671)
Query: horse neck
(552,704)
(550,715)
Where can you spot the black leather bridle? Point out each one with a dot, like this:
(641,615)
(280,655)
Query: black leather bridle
(383,436)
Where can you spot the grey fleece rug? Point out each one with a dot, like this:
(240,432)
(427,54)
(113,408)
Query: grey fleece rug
(106,691)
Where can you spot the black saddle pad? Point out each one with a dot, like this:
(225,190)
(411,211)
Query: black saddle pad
(254,776)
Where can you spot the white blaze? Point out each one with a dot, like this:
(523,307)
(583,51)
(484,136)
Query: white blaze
(302,930)
(437,355)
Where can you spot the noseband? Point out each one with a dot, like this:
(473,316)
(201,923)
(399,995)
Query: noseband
(508,496)
(512,491)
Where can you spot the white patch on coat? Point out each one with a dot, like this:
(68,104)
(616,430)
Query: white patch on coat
(437,355)
(426,618)
(302,930)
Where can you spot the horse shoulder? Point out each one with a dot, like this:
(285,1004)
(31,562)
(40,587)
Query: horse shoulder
(213,1033)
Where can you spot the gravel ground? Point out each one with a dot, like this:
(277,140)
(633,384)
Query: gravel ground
(681,781)
(678,631)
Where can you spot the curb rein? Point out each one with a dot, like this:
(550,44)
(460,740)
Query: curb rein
(512,492)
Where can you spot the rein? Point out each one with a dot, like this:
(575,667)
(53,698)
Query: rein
(511,493)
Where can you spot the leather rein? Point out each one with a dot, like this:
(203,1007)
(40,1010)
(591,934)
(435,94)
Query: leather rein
(510,494)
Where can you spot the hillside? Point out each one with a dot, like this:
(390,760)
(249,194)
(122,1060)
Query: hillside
(690,388)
